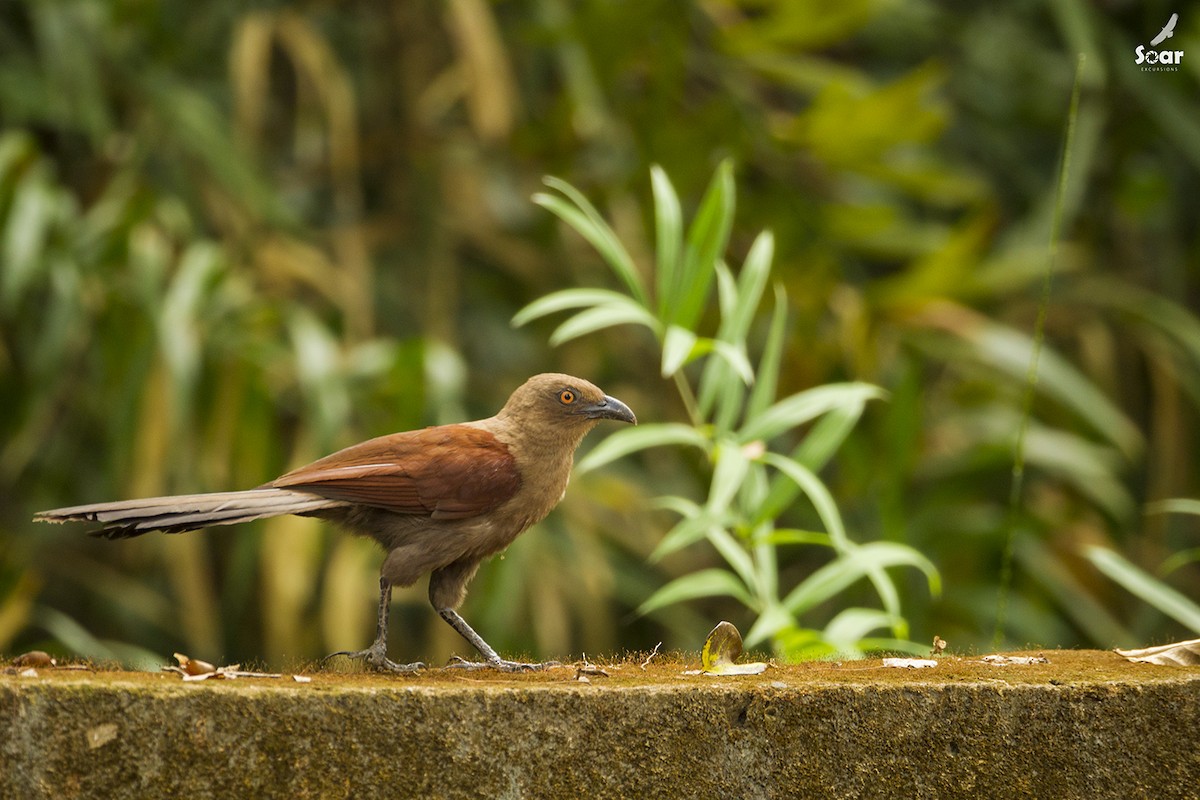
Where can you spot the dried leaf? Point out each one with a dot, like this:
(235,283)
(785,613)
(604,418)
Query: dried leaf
(1184,654)
(194,666)
(193,669)
(302,679)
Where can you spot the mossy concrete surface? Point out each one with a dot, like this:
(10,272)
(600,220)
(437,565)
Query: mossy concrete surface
(1086,724)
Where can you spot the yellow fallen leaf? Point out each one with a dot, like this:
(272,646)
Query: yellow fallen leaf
(721,649)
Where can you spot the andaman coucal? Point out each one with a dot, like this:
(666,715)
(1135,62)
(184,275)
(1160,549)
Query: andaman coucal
(439,500)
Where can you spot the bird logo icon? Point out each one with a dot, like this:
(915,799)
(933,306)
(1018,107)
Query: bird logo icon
(1167,32)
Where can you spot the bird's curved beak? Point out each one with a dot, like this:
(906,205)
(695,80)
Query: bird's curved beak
(610,408)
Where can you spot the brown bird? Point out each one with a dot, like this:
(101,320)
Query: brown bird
(438,500)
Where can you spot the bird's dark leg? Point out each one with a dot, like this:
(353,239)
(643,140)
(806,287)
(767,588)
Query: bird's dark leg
(492,660)
(375,656)
(447,587)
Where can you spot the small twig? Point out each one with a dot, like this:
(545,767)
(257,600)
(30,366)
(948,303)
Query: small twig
(653,653)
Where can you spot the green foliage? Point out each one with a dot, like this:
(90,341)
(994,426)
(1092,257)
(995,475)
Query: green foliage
(736,417)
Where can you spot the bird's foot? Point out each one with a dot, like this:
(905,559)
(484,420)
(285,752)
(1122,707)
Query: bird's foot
(375,658)
(500,665)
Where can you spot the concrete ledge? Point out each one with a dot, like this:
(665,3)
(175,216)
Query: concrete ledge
(1085,725)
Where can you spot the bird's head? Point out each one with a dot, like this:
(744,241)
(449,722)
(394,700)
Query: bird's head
(564,402)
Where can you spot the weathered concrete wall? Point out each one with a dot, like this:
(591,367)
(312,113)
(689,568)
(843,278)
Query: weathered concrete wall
(784,734)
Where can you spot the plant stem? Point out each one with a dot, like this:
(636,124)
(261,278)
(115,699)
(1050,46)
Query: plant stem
(1039,333)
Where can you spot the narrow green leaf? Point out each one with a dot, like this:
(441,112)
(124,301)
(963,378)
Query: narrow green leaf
(851,625)
(1011,351)
(686,532)
(565,300)
(704,583)
(817,494)
(734,554)
(35,205)
(852,566)
(588,223)
(1174,506)
(751,282)
(680,505)
(727,289)
(735,356)
(631,440)
(771,621)
(780,536)
(766,382)
(668,224)
(814,452)
(1180,558)
(766,560)
(807,405)
(1078,596)
(1143,585)
(677,349)
(731,468)
(706,241)
(606,316)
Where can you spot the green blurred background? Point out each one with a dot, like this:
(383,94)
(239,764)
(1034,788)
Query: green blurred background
(235,239)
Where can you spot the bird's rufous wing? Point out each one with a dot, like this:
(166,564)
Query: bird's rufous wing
(447,472)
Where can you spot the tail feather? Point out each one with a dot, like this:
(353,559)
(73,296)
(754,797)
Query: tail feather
(187,512)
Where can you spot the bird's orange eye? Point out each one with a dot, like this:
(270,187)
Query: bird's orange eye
(566,397)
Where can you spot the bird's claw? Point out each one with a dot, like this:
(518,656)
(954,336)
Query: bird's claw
(500,665)
(377,660)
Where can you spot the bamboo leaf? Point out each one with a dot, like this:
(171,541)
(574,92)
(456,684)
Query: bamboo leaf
(588,223)
(852,566)
(704,583)
(600,317)
(1011,352)
(734,554)
(753,279)
(766,382)
(771,621)
(668,225)
(728,474)
(850,626)
(1174,506)
(686,532)
(564,301)
(631,440)
(678,348)
(706,241)
(807,405)
(817,494)
(1143,585)
(735,357)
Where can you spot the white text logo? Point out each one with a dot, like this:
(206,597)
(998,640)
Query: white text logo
(1160,60)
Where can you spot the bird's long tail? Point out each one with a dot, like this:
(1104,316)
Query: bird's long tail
(187,512)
